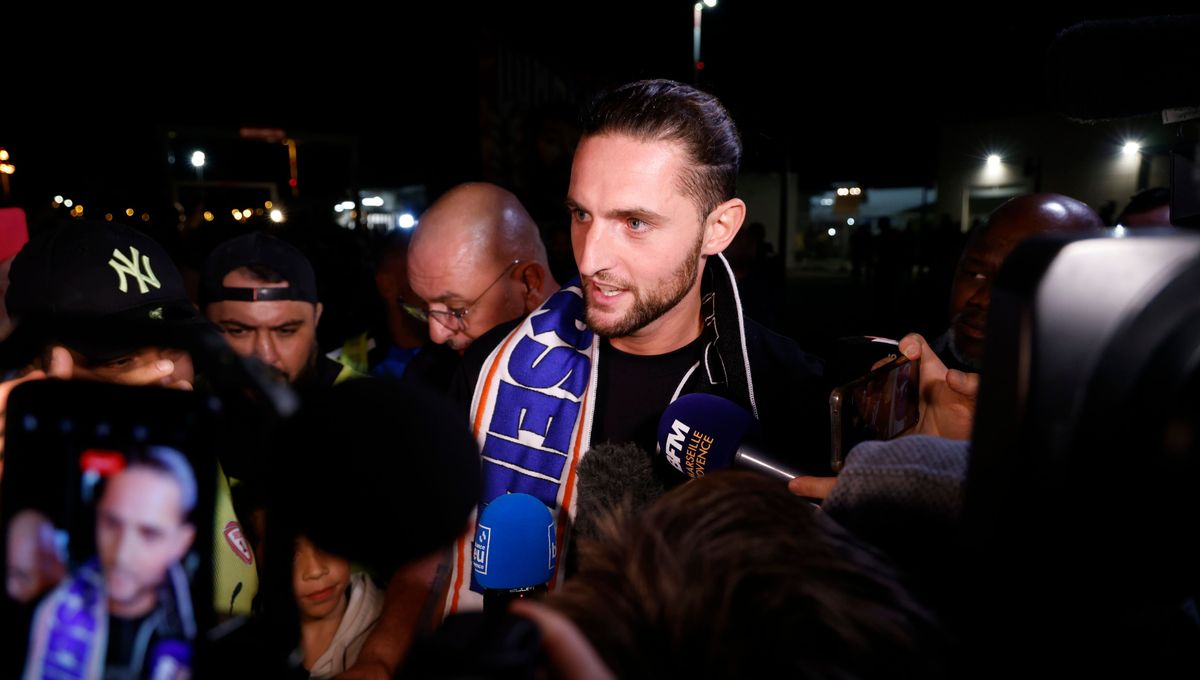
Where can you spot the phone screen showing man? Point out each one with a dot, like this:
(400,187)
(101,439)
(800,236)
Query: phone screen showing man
(879,405)
(885,403)
(105,501)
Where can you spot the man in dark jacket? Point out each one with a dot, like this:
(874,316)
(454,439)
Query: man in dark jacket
(654,315)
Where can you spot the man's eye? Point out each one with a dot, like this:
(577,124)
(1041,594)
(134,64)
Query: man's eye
(119,362)
(235,332)
(637,225)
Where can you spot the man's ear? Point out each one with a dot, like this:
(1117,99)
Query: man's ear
(317,317)
(532,275)
(722,225)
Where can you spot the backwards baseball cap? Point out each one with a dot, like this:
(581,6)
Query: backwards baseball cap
(100,288)
(258,249)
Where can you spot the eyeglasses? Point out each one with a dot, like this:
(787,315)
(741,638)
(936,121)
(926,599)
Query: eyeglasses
(455,319)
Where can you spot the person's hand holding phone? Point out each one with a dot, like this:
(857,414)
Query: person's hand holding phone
(947,403)
(146,366)
(58,362)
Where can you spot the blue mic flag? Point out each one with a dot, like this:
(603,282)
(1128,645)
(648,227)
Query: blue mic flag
(514,543)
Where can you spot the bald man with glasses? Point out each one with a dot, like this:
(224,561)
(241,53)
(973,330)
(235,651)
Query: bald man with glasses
(476,260)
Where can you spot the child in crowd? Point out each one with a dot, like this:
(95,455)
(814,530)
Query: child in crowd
(337,609)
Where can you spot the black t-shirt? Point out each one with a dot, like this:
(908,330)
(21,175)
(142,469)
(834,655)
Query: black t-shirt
(634,390)
(119,660)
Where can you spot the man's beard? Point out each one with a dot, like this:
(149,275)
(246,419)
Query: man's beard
(305,373)
(648,305)
(956,350)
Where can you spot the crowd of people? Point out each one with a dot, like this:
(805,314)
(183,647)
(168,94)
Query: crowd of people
(335,523)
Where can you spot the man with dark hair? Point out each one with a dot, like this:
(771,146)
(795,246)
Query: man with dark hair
(128,612)
(732,576)
(655,313)
(101,301)
(262,294)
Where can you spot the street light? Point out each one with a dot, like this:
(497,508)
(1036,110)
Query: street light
(697,11)
(6,169)
(198,163)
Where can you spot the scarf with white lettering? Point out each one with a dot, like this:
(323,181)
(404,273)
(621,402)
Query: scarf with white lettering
(531,418)
(69,637)
(532,409)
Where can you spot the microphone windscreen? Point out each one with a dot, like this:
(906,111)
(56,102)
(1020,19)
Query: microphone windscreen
(699,433)
(514,543)
(170,659)
(611,475)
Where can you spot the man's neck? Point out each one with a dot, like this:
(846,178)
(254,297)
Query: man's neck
(678,327)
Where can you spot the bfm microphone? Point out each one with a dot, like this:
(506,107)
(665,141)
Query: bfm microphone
(701,433)
(514,550)
(170,659)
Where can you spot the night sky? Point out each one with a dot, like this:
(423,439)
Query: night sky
(852,96)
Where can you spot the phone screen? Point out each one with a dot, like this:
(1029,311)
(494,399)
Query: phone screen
(107,512)
(879,405)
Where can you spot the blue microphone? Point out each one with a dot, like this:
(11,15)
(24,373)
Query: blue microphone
(515,550)
(701,433)
(170,659)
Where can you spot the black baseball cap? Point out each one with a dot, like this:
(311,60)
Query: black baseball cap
(102,289)
(261,249)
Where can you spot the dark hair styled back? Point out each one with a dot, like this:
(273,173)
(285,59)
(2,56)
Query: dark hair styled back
(664,110)
(172,464)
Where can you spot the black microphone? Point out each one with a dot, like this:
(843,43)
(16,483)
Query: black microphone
(237,590)
(610,475)
(700,433)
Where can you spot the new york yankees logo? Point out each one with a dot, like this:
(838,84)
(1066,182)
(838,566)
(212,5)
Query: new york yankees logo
(131,266)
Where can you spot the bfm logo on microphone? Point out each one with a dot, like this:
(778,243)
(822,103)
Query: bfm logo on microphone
(695,457)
